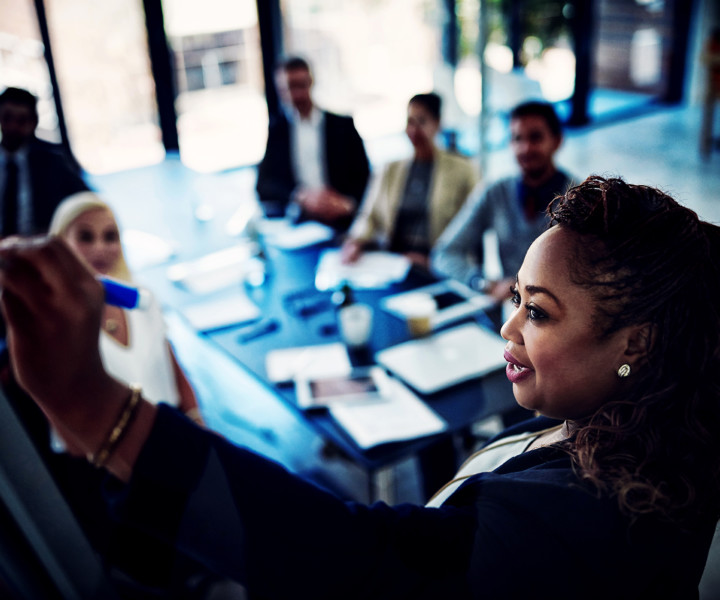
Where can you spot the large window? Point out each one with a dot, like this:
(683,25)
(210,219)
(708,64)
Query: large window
(22,62)
(103,70)
(369,58)
(221,108)
(632,55)
(528,55)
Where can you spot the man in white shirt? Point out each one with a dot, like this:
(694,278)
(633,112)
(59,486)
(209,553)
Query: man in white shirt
(315,165)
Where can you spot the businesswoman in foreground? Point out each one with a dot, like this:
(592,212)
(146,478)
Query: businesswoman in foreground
(615,338)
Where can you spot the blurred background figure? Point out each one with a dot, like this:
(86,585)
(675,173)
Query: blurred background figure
(711,59)
(412,201)
(133,343)
(513,207)
(315,165)
(34,175)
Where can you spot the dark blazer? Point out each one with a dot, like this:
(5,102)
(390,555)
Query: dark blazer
(53,177)
(346,163)
(529,529)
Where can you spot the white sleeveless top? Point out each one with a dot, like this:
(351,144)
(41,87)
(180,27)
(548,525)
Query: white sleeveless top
(146,359)
(485,460)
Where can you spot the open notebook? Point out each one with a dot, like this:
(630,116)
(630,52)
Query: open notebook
(445,358)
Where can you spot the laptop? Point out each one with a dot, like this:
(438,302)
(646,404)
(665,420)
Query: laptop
(445,358)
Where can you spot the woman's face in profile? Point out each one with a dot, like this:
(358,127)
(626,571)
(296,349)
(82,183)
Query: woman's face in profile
(94,236)
(421,127)
(556,362)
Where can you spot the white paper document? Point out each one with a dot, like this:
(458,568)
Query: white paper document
(322,360)
(217,270)
(395,416)
(222,312)
(289,236)
(372,270)
(143,249)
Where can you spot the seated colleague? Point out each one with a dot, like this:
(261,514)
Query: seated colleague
(34,175)
(412,201)
(133,343)
(710,58)
(315,166)
(513,207)
(614,492)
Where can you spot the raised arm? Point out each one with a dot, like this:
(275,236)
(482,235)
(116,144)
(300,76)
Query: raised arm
(52,306)
(458,252)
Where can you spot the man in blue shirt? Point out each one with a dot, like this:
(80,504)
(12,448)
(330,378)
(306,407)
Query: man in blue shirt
(514,207)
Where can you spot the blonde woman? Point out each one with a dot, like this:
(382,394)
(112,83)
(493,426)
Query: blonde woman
(133,343)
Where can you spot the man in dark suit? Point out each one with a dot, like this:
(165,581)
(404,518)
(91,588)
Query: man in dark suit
(35,176)
(315,165)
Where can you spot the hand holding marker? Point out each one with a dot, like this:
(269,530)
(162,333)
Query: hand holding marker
(127,296)
(124,295)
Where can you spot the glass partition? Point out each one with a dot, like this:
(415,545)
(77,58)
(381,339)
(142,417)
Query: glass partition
(221,108)
(103,71)
(369,58)
(632,53)
(528,55)
(22,62)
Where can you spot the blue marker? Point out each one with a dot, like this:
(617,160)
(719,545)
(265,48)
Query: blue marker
(124,295)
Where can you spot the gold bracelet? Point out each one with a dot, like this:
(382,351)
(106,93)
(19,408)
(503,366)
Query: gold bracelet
(99,459)
(193,414)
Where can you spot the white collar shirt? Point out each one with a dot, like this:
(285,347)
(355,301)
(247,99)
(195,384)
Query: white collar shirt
(308,152)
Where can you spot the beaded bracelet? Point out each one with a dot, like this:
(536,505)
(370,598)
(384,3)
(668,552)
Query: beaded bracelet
(99,459)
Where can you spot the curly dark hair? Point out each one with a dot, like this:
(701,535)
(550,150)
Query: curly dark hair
(647,260)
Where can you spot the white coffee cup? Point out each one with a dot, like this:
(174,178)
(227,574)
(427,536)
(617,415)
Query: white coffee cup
(355,323)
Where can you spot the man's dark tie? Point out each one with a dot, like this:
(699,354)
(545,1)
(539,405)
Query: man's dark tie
(10,199)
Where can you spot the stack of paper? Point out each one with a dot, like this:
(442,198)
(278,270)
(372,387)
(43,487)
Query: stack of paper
(372,270)
(143,249)
(395,416)
(322,360)
(223,312)
(288,236)
(217,270)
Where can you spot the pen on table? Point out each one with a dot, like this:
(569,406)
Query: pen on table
(124,295)
(258,330)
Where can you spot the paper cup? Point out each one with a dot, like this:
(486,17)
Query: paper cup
(419,311)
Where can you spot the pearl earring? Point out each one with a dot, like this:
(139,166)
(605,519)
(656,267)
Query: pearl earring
(624,370)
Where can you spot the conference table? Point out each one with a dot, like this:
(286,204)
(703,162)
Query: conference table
(196,215)
(301,315)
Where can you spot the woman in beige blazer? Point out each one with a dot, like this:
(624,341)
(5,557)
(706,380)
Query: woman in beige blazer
(411,201)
